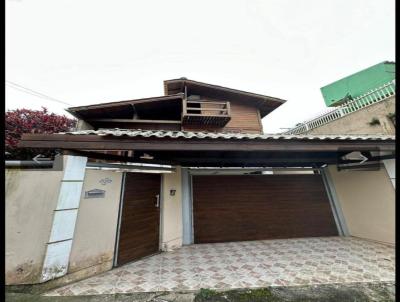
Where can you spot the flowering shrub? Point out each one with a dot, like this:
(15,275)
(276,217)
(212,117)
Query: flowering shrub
(21,121)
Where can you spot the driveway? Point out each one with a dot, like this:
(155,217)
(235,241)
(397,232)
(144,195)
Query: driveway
(250,264)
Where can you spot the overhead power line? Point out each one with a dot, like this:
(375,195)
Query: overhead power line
(35,93)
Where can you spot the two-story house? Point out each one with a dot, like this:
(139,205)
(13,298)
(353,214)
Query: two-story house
(211,139)
(187,105)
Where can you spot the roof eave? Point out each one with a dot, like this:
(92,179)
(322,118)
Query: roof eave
(265,97)
(119,103)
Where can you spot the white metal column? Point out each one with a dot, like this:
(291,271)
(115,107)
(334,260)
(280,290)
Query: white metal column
(64,219)
(390,166)
(187,237)
(335,204)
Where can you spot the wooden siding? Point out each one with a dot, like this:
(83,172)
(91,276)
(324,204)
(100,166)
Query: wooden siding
(244,118)
(143,126)
(253,207)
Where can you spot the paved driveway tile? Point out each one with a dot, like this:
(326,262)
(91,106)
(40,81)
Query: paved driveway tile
(252,264)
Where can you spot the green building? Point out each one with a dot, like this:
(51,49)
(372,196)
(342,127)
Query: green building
(358,83)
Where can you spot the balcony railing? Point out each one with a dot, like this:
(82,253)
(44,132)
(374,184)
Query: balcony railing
(372,97)
(208,113)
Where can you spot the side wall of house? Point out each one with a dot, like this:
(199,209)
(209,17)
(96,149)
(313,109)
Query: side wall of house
(245,118)
(96,226)
(358,122)
(367,200)
(30,200)
(171,220)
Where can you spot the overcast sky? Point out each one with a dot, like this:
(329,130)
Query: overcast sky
(83,52)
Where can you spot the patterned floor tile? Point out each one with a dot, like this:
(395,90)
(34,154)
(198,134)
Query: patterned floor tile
(249,264)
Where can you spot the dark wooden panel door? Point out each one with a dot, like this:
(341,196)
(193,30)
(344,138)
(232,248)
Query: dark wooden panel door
(140,217)
(257,207)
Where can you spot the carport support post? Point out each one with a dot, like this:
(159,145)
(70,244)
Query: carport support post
(334,201)
(60,242)
(187,237)
(390,166)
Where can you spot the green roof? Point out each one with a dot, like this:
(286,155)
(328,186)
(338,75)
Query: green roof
(358,83)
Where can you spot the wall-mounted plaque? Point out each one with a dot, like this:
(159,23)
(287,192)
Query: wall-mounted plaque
(95,193)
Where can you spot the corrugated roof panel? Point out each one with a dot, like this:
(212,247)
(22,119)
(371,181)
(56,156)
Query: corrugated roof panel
(223,135)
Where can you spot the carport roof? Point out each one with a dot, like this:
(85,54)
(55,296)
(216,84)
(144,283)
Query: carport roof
(162,140)
(224,135)
(210,149)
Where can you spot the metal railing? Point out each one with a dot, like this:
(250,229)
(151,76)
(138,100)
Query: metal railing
(373,96)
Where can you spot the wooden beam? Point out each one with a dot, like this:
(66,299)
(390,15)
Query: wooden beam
(366,167)
(95,142)
(128,102)
(249,165)
(382,157)
(116,120)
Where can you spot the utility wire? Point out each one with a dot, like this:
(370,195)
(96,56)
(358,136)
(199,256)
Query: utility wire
(27,92)
(33,92)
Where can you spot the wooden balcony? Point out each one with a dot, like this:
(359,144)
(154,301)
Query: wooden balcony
(207,113)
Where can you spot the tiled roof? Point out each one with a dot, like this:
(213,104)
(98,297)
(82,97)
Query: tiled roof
(224,135)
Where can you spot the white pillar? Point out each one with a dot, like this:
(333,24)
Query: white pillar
(171,211)
(390,165)
(64,219)
(187,223)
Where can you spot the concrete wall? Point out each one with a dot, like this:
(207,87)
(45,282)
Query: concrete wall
(96,227)
(171,220)
(367,200)
(357,122)
(31,197)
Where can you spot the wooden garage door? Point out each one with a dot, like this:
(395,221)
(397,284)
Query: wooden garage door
(140,218)
(257,207)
